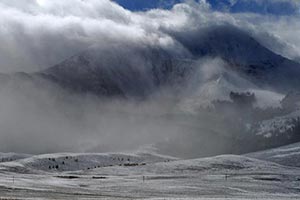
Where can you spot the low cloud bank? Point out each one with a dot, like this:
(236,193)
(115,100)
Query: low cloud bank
(35,35)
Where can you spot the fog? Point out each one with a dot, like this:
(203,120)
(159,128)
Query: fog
(45,119)
(39,117)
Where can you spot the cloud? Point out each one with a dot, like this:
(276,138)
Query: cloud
(38,34)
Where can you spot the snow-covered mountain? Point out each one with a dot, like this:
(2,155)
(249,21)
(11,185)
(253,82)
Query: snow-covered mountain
(244,54)
(223,68)
(59,162)
(140,71)
(119,71)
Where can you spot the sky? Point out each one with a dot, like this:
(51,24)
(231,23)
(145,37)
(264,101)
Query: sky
(274,7)
(37,34)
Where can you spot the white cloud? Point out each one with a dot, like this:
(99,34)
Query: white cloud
(38,37)
(38,34)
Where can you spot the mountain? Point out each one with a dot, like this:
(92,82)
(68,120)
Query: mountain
(244,54)
(224,77)
(133,71)
(128,71)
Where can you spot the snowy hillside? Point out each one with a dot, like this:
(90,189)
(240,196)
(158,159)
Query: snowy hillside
(85,161)
(230,176)
(111,71)
(7,157)
(286,155)
(244,54)
(219,85)
(279,126)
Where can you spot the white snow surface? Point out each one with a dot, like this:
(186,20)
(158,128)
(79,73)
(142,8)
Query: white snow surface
(5,157)
(150,176)
(84,161)
(286,155)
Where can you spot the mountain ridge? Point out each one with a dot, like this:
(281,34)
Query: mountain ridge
(151,68)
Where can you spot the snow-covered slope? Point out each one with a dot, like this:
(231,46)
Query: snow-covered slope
(279,126)
(287,155)
(83,161)
(138,71)
(244,54)
(219,87)
(226,176)
(128,71)
(231,44)
(6,157)
(132,70)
